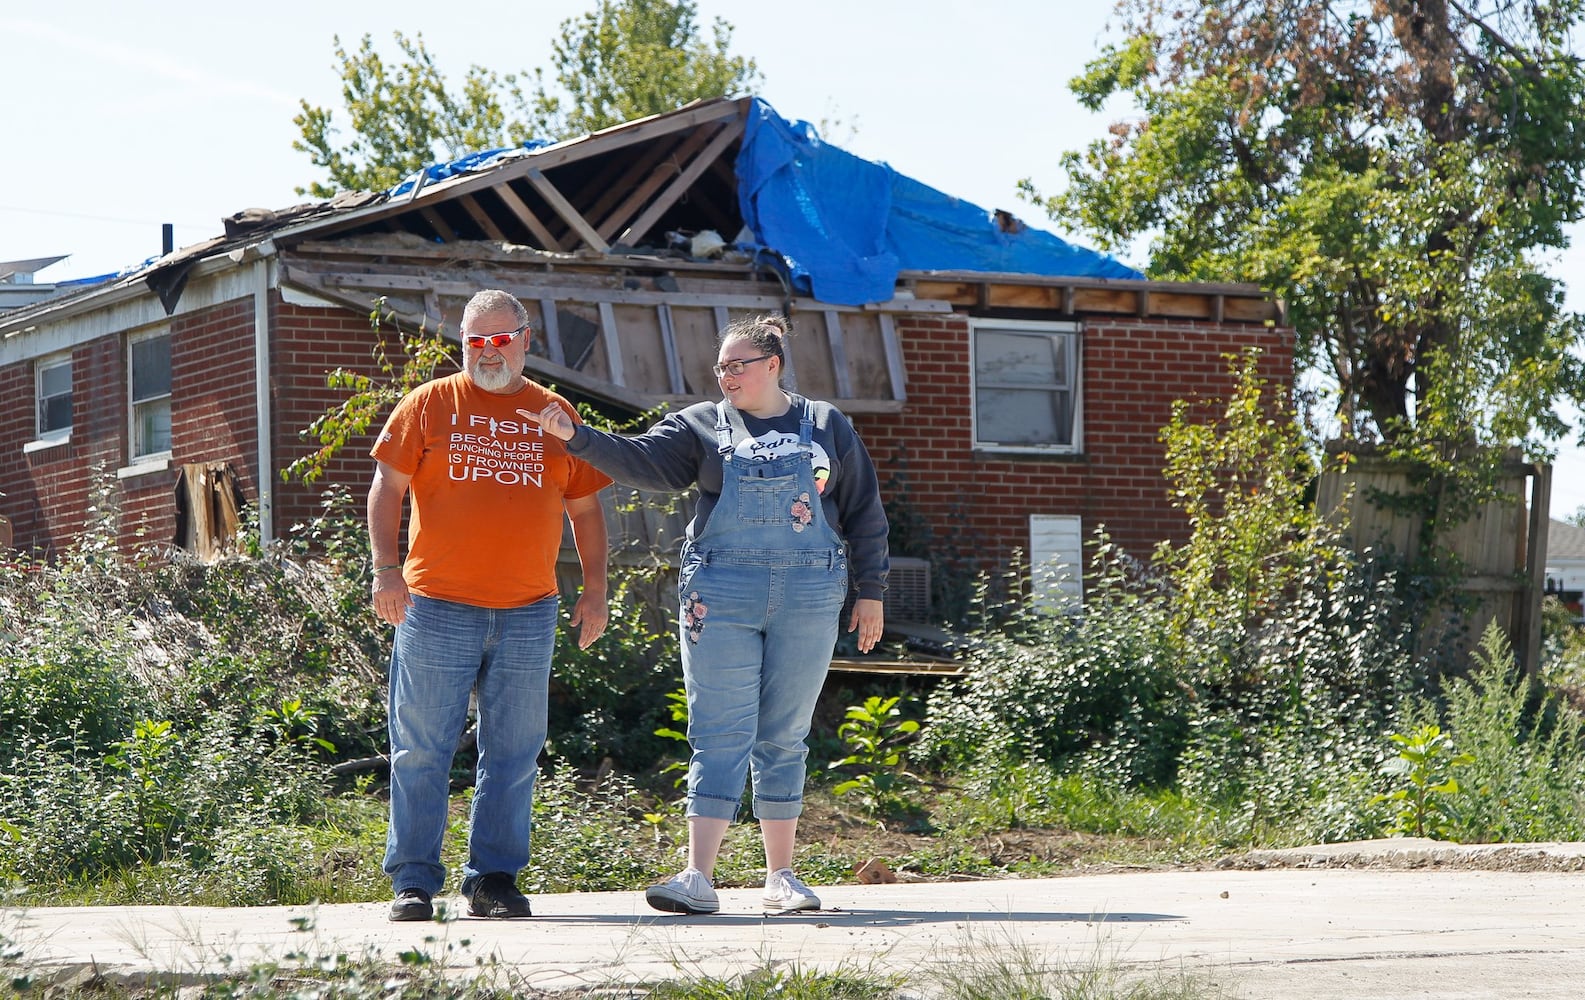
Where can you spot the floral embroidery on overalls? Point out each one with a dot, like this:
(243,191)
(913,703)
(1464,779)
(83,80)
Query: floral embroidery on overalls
(801,514)
(693,612)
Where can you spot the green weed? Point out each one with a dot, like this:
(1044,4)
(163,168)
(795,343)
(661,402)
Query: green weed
(875,734)
(1423,802)
(1526,781)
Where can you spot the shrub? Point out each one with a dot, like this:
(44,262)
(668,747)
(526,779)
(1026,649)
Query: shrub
(1423,773)
(76,812)
(875,734)
(583,837)
(64,820)
(77,666)
(67,676)
(608,700)
(1055,688)
(1286,721)
(1527,779)
(292,623)
(1297,655)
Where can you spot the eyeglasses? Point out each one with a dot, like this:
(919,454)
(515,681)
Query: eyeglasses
(493,339)
(736,367)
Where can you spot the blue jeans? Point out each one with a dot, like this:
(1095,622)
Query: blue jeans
(753,666)
(442,651)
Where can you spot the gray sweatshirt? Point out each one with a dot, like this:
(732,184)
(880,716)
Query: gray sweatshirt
(680,451)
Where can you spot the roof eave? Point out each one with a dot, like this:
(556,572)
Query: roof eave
(59,310)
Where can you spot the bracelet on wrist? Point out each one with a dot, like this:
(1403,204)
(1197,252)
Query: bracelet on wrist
(381,569)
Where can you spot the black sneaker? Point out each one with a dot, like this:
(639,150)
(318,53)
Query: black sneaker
(412,904)
(496,895)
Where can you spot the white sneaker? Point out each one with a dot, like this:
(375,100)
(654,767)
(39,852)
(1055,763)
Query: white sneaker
(785,891)
(688,891)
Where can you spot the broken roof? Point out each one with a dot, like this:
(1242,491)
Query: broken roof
(846,226)
(836,226)
(841,227)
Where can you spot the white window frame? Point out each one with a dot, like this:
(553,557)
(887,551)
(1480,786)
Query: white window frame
(47,436)
(1065,337)
(136,406)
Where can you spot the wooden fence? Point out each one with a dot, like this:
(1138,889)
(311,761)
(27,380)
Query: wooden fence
(1500,549)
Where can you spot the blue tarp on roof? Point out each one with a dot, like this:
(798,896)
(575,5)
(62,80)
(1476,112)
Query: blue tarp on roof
(845,226)
(468,164)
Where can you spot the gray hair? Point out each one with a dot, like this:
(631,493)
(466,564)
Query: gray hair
(492,301)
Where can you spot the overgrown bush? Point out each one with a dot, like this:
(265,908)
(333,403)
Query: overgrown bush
(291,623)
(1255,666)
(583,837)
(147,709)
(608,700)
(1281,727)
(1287,719)
(77,813)
(1050,687)
(1526,779)
(65,673)
(73,666)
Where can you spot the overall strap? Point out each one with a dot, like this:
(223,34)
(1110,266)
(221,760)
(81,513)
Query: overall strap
(806,426)
(728,420)
(723,429)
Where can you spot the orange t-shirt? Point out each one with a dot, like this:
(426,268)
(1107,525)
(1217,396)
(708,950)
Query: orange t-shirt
(488,489)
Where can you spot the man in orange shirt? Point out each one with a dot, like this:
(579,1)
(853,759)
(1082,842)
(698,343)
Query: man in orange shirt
(475,602)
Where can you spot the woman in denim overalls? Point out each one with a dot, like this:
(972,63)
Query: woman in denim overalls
(788,501)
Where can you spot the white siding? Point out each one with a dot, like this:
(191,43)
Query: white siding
(1056,561)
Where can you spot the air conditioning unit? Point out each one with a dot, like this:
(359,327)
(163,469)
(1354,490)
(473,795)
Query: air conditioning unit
(908,590)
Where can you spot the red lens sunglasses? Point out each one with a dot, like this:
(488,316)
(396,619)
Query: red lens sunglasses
(493,339)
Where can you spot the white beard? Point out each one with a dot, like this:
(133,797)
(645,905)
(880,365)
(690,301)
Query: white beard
(490,379)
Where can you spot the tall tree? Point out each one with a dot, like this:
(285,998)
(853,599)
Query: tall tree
(402,118)
(625,59)
(1396,170)
(628,59)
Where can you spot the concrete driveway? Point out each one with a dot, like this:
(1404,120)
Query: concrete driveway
(1383,920)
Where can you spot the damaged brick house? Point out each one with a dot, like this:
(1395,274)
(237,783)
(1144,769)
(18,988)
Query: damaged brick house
(1009,385)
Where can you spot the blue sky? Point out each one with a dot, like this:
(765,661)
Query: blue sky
(122,116)
(131,119)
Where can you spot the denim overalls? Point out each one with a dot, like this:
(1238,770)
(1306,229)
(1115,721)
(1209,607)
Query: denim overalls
(760,592)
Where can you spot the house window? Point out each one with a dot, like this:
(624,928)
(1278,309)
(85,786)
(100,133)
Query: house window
(54,394)
(151,396)
(1026,385)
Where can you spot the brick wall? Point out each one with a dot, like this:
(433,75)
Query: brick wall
(1132,370)
(17,425)
(211,420)
(309,343)
(47,490)
(979,502)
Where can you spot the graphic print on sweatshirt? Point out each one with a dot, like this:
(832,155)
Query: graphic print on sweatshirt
(481,447)
(775,444)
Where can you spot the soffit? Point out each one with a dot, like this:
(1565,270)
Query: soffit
(979,292)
